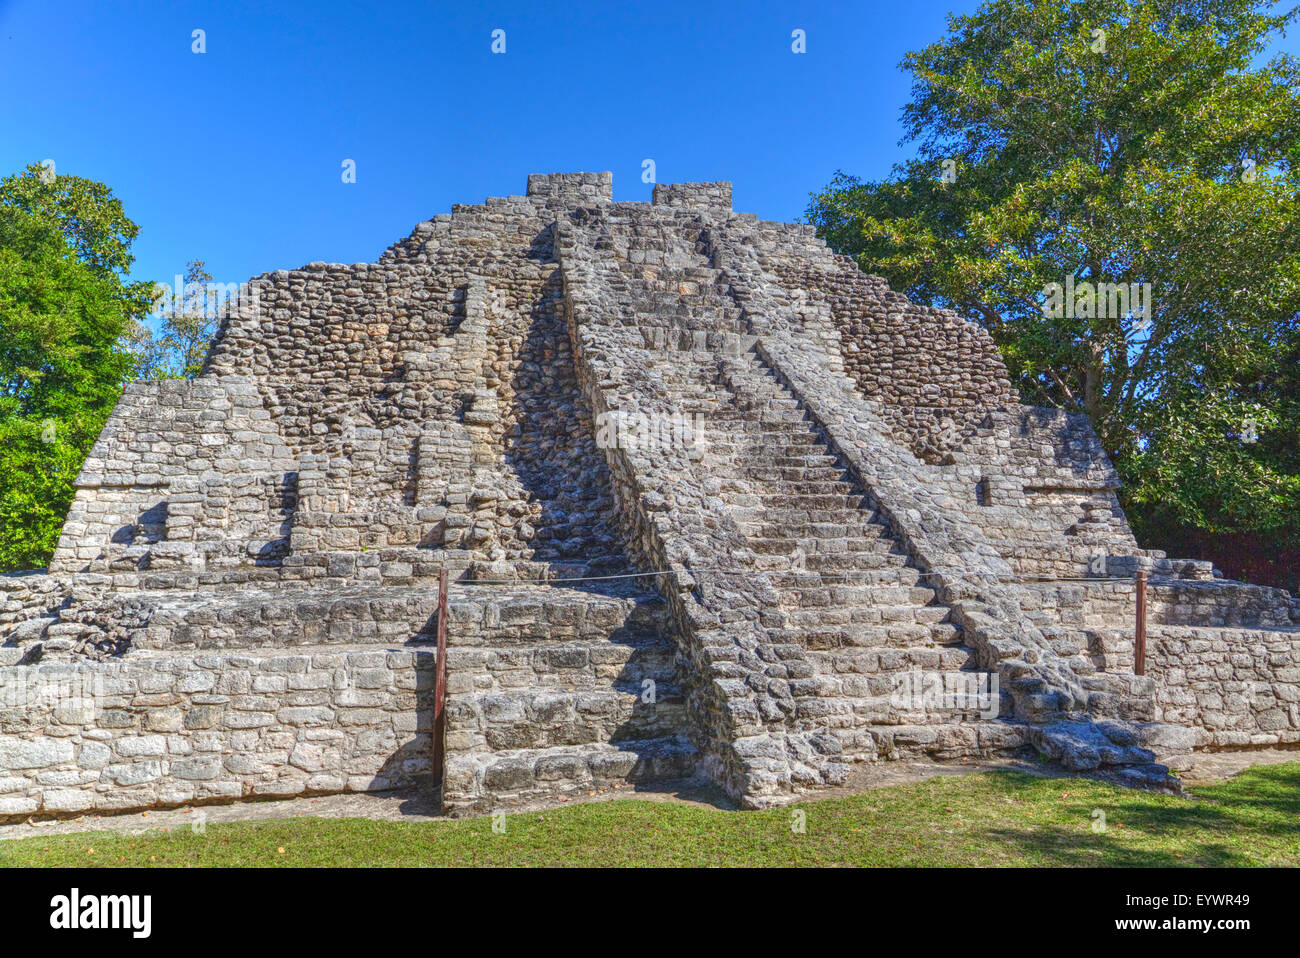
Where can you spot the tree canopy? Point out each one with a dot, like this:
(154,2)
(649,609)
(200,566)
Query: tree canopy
(1064,145)
(67,310)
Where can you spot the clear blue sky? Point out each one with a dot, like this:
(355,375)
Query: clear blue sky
(234,156)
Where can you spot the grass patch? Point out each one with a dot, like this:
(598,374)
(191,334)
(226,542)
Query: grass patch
(994,818)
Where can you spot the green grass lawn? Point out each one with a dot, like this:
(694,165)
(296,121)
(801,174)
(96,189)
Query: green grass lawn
(995,818)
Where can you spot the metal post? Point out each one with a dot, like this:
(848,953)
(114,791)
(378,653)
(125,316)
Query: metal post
(1140,633)
(440,679)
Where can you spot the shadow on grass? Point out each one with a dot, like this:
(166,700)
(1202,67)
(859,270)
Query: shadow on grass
(1146,830)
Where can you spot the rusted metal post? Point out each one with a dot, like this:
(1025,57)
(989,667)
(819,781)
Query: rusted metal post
(440,679)
(1140,632)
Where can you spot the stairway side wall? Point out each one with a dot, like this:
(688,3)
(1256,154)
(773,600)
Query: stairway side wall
(1237,687)
(673,525)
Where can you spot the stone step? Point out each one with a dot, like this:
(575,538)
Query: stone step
(884,554)
(768,437)
(823,564)
(896,635)
(761,399)
(816,487)
(804,590)
(758,393)
(478,783)
(829,546)
(853,545)
(860,527)
(867,539)
(775,403)
(955,738)
(571,665)
(799,502)
(758,416)
(741,427)
(548,717)
(882,665)
(810,460)
(880,606)
(923,719)
(796,518)
(766,472)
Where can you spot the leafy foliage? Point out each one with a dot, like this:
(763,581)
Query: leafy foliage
(66,308)
(1127,143)
(189,320)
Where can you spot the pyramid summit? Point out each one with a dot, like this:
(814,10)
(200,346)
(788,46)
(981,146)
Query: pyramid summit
(716,505)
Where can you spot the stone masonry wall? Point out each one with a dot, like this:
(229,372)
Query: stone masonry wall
(163,435)
(179,729)
(934,375)
(1237,687)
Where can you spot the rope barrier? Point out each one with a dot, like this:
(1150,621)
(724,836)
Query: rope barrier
(827,574)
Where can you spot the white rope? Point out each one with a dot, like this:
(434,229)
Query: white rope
(831,574)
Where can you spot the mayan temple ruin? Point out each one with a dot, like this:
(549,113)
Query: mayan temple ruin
(717,507)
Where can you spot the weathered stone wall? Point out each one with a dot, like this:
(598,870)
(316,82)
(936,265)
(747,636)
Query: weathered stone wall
(567,190)
(424,401)
(935,375)
(1238,687)
(175,729)
(1039,483)
(162,437)
(693,196)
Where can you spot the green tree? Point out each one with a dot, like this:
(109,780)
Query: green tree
(66,306)
(188,325)
(1103,141)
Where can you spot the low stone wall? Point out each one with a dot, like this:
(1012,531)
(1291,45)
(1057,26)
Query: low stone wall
(1224,656)
(1236,687)
(1217,604)
(694,196)
(154,730)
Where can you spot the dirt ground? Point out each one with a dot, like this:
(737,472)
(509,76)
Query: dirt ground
(422,806)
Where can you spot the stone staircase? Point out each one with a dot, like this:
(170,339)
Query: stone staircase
(852,608)
(565,693)
(850,597)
